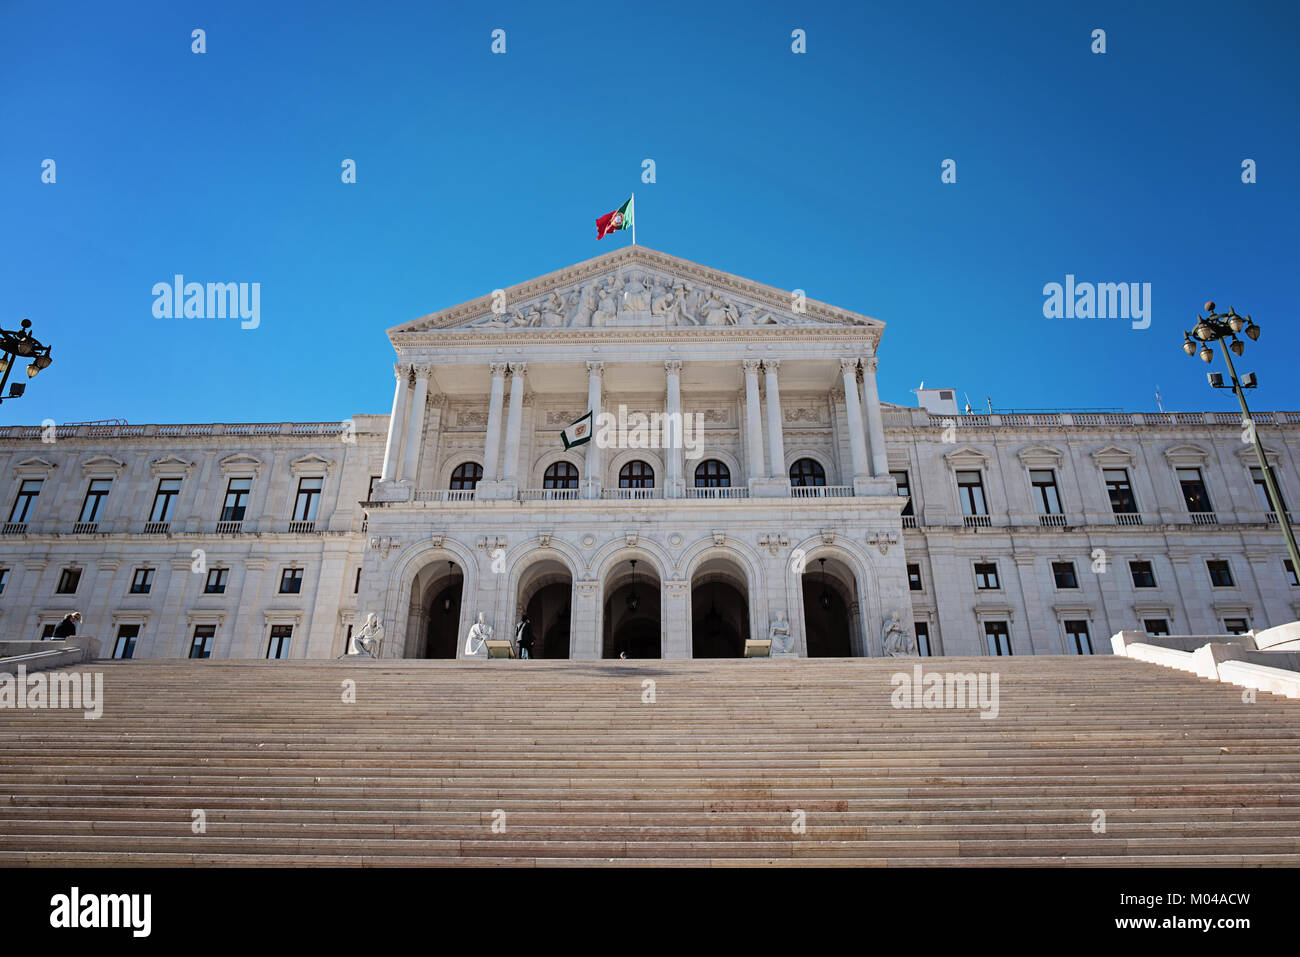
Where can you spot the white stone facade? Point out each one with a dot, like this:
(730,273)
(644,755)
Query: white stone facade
(401,526)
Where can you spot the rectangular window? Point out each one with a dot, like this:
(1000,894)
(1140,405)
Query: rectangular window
(1063,572)
(904,490)
(4,579)
(1286,564)
(291,581)
(47,631)
(216,583)
(278,647)
(95,495)
(922,629)
(142,581)
(26,498)
(914,578)
(1220,574)
(124,647)
(1261,489)
(1155,626)
(1046,497)
(986,575)
(69,579)
(970,489)
(201,646)
(236,504)
(1194,492)
(356,586)
(1236,626)
(1077,631)
(997,638)
(1119,490)
(1143,575)
(164,500)
(304,508)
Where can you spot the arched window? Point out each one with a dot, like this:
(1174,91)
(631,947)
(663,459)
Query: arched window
(712,474)
(466,476)
(636,474)
(560,475)
(807,472)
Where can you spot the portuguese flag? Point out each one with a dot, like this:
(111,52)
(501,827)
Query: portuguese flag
(620,218)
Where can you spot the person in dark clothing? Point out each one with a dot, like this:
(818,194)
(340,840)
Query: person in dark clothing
(68,626)
(524,637)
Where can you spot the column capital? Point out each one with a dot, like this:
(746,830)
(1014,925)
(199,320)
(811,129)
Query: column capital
(771,366)
(750,366)
(869,364)
(518,368)
(498,369)
(595,368)
(673,366)
(402,370)
(422,371)
(849,367)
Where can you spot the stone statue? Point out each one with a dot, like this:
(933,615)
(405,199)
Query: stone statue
(367,641)
(479,632)
(714,311)
(553,312)
(636,298)
(897,641)
(584,303)
(779,633)
(608,302)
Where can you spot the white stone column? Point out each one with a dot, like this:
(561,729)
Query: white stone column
(415,425)
(675,486)
(753,420)
(875,423)
(396,424)
(492,450)
(775,431)
(857,434)
(513,422)
(593,478)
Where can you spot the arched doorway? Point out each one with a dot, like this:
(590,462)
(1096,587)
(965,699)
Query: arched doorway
(829,603)
(719,610)
(435,611)
(632,624)
(546,595)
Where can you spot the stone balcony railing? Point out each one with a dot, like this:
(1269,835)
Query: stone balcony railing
(920,417)
(177,430)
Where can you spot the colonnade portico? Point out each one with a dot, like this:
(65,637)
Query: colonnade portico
(762,434)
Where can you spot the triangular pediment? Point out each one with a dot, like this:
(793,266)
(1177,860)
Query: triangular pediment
(635,288)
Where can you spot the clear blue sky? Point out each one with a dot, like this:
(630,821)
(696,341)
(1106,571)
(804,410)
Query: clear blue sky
(819,171)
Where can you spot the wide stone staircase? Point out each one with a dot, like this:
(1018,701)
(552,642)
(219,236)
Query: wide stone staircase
(1089,761)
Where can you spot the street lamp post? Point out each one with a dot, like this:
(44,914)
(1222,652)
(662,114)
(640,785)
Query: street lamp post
(1219,326)
(21,345)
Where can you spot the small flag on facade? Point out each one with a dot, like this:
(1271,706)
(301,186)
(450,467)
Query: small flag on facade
(621,218)
(578,433)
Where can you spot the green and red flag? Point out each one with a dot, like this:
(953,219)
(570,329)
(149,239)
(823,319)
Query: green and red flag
(620,218)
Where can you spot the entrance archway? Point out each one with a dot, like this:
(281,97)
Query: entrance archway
(632,624)
(719,610)
(829,595)
(546,595)
(435,613)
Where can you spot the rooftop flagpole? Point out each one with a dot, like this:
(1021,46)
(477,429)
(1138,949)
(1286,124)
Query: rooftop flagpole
(634,219)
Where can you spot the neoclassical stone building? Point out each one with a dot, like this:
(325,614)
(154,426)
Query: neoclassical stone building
(796,499)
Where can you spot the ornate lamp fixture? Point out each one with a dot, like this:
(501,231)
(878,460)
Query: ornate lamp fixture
(825,598)
(633,602)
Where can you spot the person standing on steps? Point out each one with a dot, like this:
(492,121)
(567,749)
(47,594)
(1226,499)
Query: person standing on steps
(67,628)
(524,637)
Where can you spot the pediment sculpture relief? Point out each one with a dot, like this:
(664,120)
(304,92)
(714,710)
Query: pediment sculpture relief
(633,297)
